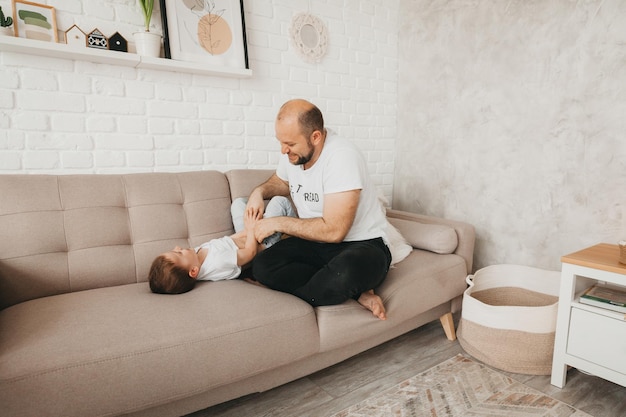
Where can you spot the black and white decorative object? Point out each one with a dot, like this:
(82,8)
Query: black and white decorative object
(97,40)
(118,43)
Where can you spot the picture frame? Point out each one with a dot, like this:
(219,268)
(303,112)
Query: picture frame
(205,31)
(35,21)
(166,37)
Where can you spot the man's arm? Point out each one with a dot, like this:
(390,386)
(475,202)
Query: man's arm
(272,187)
(338,215)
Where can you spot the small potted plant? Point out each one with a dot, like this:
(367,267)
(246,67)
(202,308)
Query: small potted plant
(5,24)
(147,43)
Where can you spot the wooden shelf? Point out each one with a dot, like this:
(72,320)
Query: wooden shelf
(63,51)
(603,256)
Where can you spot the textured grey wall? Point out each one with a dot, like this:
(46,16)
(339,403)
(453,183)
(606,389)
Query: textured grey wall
(512,117)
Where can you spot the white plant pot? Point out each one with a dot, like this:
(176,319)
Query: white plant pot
(6,30)
(148,43)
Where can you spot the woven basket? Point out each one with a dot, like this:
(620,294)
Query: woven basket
(508,318)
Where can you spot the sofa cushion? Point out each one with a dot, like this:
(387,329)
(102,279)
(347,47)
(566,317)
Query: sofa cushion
(398,245)
(436,238)
(123,348)
(404,294)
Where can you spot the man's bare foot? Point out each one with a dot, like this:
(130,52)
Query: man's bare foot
(373,303)
(254,282)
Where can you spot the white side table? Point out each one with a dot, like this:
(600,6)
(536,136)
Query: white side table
(589,338)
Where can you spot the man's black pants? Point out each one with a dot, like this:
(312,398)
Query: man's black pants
(323,273)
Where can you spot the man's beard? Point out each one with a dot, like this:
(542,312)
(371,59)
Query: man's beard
(303,159)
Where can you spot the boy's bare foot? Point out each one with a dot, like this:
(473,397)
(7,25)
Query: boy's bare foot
(254,282)
(373,303)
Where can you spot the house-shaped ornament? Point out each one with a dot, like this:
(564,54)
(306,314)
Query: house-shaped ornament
(118,43)
(97,40)
(76,37)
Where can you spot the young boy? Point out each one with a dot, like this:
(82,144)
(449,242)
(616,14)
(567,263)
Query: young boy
(177,271)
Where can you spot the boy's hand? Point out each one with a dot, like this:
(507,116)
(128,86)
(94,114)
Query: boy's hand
(249,221)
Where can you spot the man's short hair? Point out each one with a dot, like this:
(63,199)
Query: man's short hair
(310,121)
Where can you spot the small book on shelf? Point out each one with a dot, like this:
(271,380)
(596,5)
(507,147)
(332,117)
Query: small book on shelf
(605,296)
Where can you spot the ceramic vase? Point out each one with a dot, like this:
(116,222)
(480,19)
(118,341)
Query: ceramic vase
(6,30)
(148,43)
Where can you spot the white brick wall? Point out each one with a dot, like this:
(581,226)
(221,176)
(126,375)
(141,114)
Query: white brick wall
(63,116)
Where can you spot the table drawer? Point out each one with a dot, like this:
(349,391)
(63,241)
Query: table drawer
(598,339)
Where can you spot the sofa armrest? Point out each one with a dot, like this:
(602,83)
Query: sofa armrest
(465,232)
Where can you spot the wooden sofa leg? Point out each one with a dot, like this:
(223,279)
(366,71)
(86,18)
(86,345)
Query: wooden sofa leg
(448,326)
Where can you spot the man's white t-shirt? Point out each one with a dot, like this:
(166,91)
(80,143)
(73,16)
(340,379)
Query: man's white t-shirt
(221,260)
(340,168)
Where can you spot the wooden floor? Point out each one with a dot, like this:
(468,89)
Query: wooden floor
(335,388)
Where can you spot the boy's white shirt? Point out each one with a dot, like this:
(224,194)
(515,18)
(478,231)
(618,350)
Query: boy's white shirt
(221,260)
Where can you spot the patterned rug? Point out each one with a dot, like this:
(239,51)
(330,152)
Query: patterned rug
(461,387)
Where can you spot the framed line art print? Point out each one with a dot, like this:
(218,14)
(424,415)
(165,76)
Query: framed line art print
(35,21)
(206,31)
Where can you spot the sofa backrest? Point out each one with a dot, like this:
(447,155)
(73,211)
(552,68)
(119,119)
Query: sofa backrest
(65,233)
(243,181)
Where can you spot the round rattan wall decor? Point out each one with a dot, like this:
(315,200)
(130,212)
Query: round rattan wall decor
(309,37)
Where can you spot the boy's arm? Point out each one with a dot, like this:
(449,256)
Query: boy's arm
(251,246)
(249,251)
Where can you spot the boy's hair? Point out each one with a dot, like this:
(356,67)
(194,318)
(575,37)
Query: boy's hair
(167,278)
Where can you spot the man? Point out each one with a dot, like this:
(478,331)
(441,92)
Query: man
(336,249)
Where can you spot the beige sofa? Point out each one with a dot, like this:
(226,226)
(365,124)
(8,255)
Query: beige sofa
(82,335)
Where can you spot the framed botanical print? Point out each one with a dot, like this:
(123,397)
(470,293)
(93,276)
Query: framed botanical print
(35,21)
(207,31)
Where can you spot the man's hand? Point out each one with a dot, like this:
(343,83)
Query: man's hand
(255,206)
(272,187)
(266,227)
